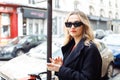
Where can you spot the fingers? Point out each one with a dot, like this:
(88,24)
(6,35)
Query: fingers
(50,64)
(51,60)
(55,59)
(53,67)
(54,64)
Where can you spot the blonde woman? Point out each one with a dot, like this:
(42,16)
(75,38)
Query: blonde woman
(82,60)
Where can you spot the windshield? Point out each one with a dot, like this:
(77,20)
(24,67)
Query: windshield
(23,40)
(15,40)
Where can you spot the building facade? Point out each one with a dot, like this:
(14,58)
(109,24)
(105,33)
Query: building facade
(30,17)
(31,20)
(17,20)
(103,14)
(8,21)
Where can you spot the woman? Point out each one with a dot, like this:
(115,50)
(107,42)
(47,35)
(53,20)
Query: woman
(81,58)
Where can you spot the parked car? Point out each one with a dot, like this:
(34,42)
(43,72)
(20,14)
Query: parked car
(113,42)
(108,32)
(107,60)
(99,33)
(34,62)
(15,40)
(20,46)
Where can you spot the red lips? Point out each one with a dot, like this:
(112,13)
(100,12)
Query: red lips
(73,31)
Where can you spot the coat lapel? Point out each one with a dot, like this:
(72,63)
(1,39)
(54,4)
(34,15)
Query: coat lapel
(75,53)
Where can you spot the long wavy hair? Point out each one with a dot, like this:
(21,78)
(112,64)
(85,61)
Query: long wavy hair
(87,31)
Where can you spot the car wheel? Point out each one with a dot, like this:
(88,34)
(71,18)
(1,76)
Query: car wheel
(19,52)
(110,70)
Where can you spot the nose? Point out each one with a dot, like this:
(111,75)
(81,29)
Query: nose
(72,26)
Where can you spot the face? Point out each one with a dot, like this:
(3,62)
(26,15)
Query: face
(74,26)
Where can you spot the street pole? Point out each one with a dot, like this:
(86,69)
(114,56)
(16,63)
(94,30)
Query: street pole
(49,34)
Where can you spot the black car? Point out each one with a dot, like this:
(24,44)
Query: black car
(20,46)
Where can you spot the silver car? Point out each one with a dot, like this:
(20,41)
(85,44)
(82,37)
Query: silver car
(107,60)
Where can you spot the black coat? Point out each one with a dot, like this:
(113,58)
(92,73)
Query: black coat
(82,63)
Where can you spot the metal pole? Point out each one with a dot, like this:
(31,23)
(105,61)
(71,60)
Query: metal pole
(49,34)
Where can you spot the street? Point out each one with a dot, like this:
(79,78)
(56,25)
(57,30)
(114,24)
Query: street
(116,74)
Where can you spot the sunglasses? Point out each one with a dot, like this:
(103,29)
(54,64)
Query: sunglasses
(76,24)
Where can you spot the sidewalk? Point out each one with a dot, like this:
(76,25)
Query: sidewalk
(117,77)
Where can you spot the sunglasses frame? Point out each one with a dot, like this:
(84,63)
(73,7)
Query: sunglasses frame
(76,24)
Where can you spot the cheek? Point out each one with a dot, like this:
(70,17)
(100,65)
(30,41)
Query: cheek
(79,30)
(67,30)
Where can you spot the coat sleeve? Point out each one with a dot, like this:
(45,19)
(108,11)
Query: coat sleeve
(91,69)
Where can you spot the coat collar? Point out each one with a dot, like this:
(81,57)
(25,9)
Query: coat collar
(75,53)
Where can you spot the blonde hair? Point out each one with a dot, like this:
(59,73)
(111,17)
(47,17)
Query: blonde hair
(87,32)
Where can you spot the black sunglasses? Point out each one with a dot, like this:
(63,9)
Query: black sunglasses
(76,24)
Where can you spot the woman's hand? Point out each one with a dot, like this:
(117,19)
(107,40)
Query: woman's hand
(55,64)
(57,60)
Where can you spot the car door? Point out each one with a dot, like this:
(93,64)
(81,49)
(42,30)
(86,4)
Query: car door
(30,42)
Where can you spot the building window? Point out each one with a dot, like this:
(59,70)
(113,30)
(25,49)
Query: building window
(30,27)
(57,5)
(116,16)
(36,28)
(101,1)
(110,3)
(24,27)
(92,11)
(76,3)
(102,13)
(5,25)
(110,14)
(116,3)
(31,2)
(54,29)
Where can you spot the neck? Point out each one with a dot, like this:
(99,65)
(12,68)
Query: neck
(77,40)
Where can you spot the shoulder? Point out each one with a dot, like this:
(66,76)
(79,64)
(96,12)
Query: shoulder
(92,52)
(92,49)
(91,45)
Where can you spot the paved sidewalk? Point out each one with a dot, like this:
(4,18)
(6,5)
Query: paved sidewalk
(117,77)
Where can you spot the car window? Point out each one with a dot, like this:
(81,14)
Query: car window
(23,40)
(42,37)
(15,40)
(29,40)
(32,38)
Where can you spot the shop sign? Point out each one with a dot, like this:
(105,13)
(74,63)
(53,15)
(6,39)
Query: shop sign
(6,9)
(34,13)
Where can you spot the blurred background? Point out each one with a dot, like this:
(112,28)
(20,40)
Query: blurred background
(23,32)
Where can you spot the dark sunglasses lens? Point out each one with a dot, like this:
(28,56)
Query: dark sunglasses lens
(77,24)
(68,24)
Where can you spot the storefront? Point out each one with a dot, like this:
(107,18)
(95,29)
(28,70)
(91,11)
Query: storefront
(8,21)
(99,22)
(34,21)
